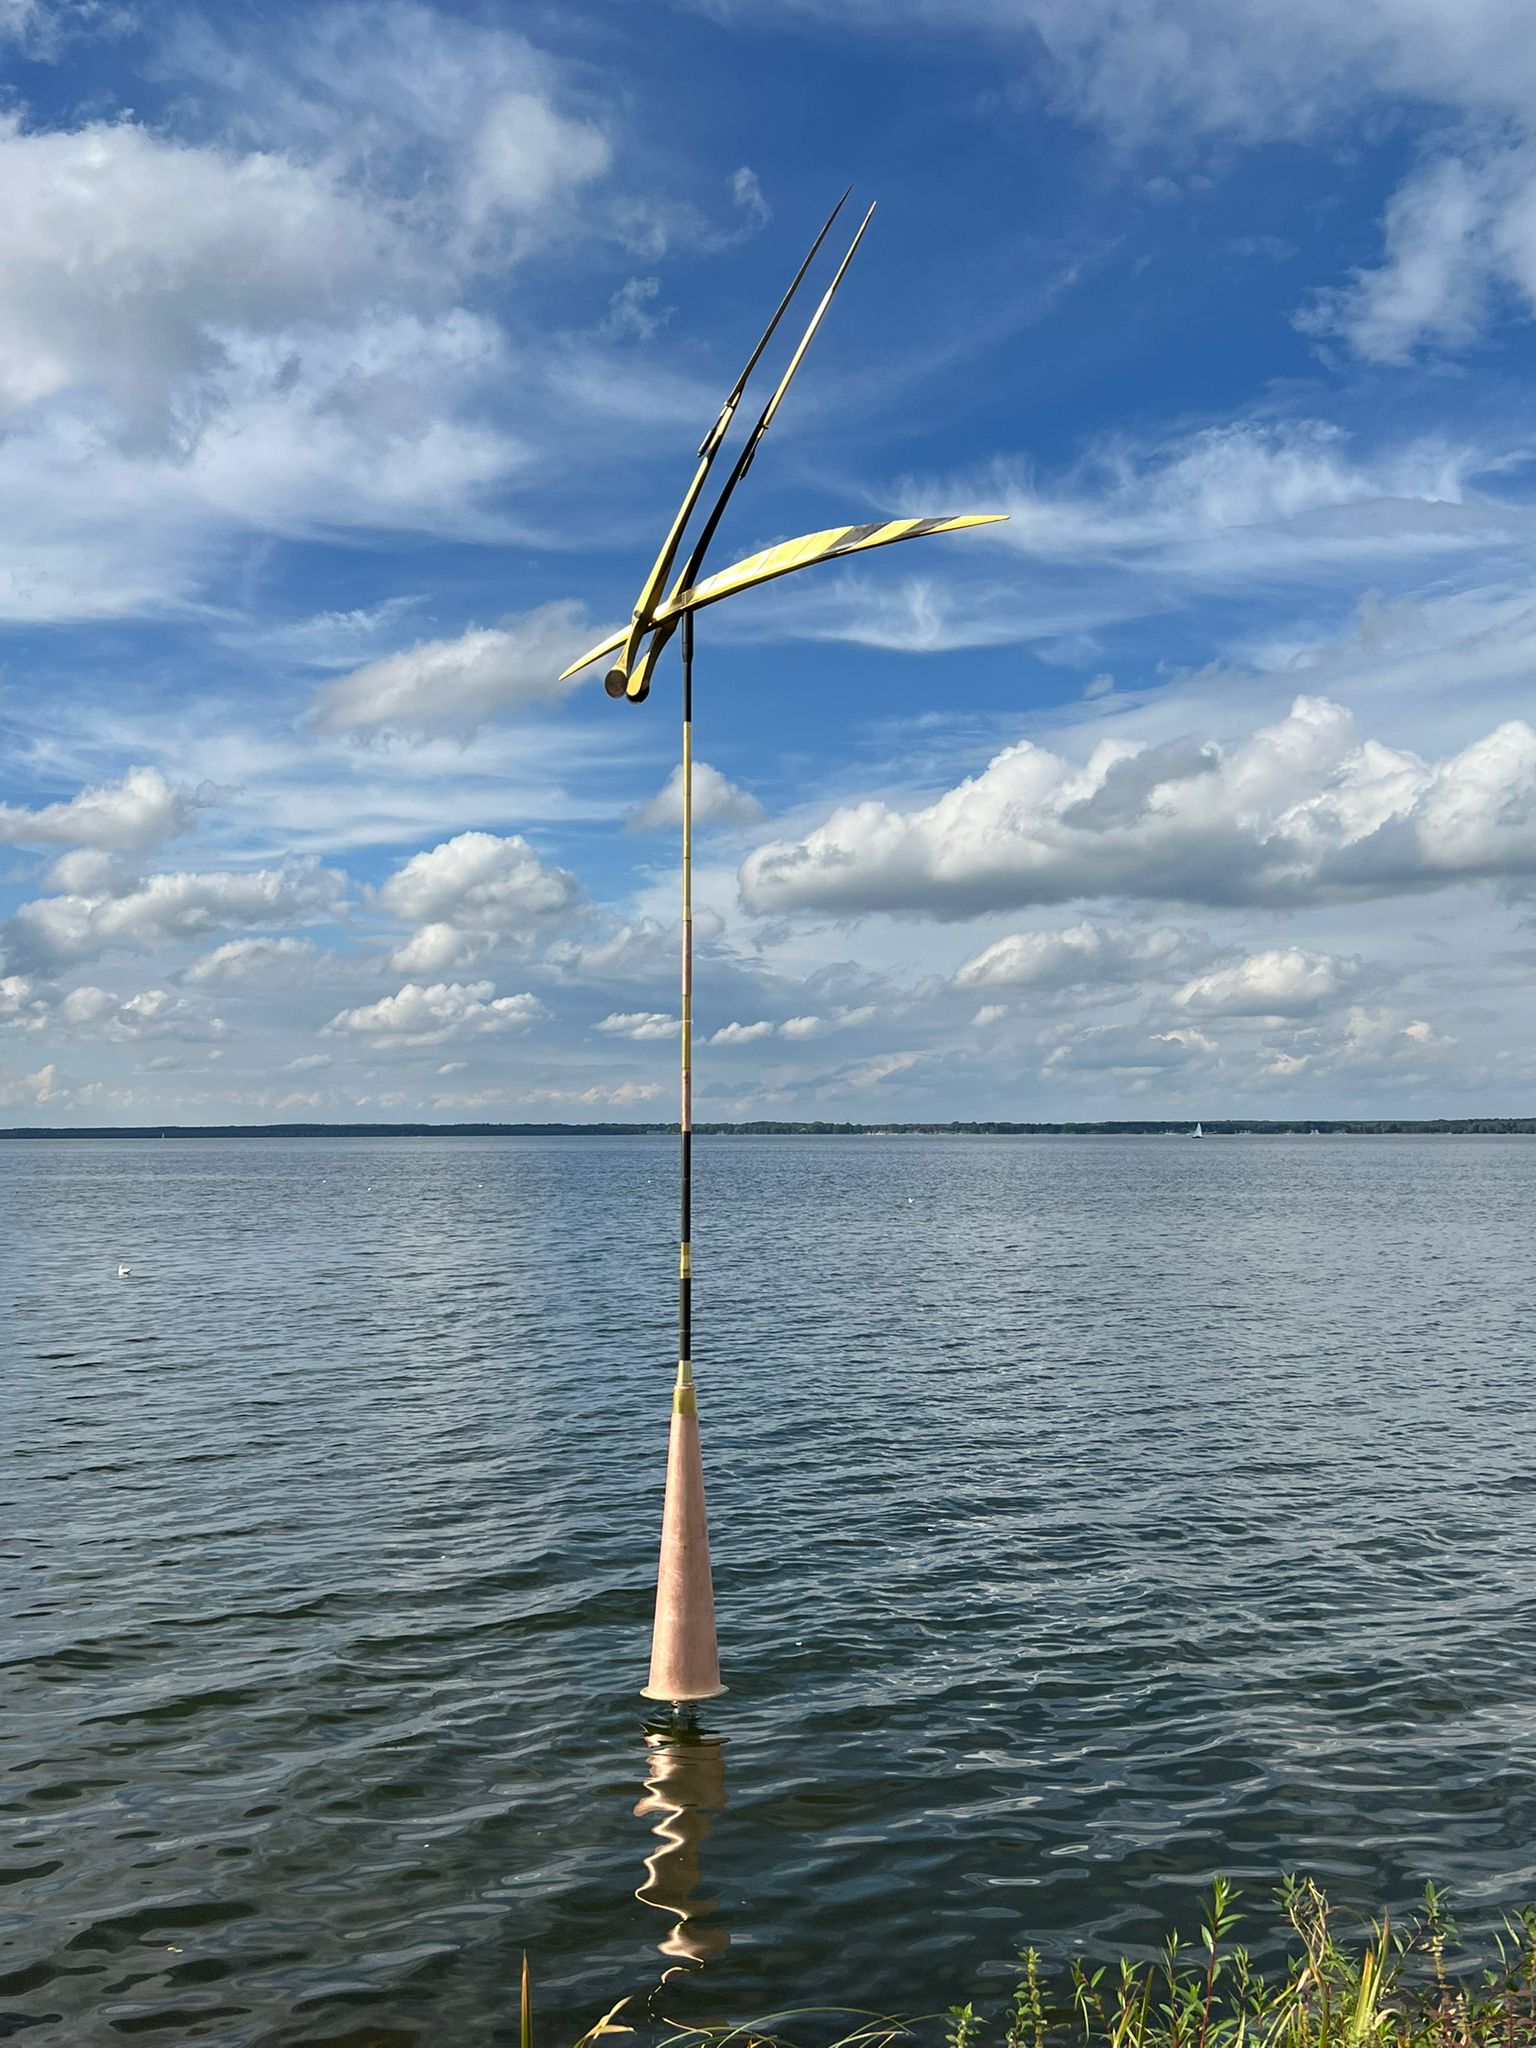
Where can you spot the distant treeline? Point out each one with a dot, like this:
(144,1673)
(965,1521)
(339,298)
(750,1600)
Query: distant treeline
(1148,1127)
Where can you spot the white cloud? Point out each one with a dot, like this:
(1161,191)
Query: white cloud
(1083,956)
(434,948)
(270,329)
(742,1034)
(454,686)
(1139,528)
(1132,1057)
(1303,811)
(1247,498)
(716,801)
(129,816)
(640,951)
(618,1095)
(256,963)
(31,1090)
(129,255)
(1381,1038)
(477,879)
(1283,982)
(87,871)
(798,1030)
(169,909)
(24,1005)
(640,1025)
(1370,1045)
(1458,233)
(152,1013)
(1241,69)
(419,1015)
(471,891)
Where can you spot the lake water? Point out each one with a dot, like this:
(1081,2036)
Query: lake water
(1108,1513)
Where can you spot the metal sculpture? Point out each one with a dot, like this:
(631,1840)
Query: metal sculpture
(685,1665)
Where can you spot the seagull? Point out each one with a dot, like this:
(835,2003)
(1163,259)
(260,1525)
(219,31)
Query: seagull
(122,1270)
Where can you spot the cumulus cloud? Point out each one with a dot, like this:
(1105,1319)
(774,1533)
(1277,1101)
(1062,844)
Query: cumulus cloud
(1082,956)
(30,1090)
(456,685)
(742,1034)
(1302,811)
(24,1005)
(1283,982)
(419,1015)
(638,951)
(472,891)
(640,1025)
(128,254)
(152,1013)
(793,1028)
(271,330)
(1370,1044)
(129,816)
(255,963)
(716,801)
(476,878)
(55,931)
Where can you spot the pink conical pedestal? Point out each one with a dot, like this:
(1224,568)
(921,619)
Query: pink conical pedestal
(685,1660)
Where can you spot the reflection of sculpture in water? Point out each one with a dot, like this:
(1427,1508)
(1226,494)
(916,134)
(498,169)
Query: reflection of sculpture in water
(684,1789)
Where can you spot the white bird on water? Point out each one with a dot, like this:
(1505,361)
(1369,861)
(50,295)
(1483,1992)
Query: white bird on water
(122,1270)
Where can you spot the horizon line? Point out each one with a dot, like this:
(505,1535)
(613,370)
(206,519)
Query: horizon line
(1321,1126)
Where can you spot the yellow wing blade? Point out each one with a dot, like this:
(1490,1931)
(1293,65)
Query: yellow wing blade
(829,546)
(603,647)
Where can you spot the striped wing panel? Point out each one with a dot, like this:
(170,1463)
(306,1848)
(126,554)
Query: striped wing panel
(829,546)
(783,560)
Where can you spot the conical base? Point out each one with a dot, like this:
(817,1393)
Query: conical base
(685,1659)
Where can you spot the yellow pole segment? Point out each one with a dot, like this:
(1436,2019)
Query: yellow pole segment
(685,1659)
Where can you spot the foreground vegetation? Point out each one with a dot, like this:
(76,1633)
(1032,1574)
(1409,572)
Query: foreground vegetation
(1388,1987)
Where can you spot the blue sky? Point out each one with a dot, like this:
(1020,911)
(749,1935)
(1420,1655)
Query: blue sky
(352,359)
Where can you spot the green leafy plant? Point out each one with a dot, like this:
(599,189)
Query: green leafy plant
(1386,1987)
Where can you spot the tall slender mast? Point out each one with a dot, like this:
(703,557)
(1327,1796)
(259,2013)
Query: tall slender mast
(685,1659)
(685,1107)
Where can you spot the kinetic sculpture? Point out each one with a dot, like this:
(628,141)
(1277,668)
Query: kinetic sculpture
(685,1664)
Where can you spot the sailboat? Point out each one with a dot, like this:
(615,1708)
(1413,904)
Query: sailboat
(1198,1131)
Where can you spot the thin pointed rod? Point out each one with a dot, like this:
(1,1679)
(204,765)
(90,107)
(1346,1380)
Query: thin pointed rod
(709,448)
(638,683)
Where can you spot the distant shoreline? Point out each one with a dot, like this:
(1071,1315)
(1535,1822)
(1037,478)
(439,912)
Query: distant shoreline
(1149,1127)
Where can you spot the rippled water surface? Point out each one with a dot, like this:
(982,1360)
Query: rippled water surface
(1089,1516)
